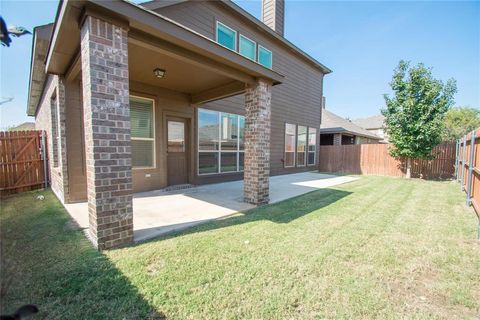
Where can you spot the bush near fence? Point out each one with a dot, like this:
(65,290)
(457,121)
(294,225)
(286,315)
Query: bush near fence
(374,159)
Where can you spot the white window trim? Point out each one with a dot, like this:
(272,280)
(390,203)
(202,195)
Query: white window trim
(231,29)
(219,151)
(154,158)
(305,153)
(271,56)
(240,44)
(315,151)
(285,146)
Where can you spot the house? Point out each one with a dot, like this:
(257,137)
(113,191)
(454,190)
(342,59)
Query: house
(23,127)
(142,97)
(374,124)
(336,130)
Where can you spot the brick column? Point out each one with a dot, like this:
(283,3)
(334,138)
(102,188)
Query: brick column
(257,143)
(104,53)
(337,139)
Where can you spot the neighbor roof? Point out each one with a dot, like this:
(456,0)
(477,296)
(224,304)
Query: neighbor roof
(332,123)
(373,122)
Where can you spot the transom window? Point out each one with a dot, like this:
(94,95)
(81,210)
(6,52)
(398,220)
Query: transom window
(142,132)
(248,48)
(220,142)
(265,57)
(226,36)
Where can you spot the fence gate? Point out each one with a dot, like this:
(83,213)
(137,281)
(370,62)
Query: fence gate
(22,161)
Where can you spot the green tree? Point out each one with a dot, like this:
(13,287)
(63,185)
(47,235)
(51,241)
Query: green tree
(459,121)
(414,116)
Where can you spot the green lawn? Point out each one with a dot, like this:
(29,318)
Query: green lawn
(375,248)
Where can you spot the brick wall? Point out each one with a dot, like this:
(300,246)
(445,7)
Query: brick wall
(56,148)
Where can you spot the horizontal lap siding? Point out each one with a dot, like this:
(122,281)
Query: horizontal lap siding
(297,100)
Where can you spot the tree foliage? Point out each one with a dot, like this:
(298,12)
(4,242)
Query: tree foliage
(460,121)
(414,116)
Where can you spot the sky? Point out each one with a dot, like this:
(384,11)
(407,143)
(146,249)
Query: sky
(361,41)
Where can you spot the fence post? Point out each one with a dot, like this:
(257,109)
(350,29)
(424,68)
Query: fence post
(470,168)
(463,162)
(457,142)
(44,158)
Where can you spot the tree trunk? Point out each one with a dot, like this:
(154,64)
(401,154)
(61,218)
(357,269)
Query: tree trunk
(408,174)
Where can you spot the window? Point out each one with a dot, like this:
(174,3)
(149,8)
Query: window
(142,124)
(248,48)
(220,142)
(312,146)
(301,145)
(226,36)
(55,137)
(289,160)
(264,57)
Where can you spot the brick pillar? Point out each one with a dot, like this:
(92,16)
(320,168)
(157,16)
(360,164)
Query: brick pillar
(104,53)
(337,139)
(257,143)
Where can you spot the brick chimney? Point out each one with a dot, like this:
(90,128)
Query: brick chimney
(273,14)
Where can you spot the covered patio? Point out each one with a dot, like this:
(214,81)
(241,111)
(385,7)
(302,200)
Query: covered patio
(156,213)
(115,50)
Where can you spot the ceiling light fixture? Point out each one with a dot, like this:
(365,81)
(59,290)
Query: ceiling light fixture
(159,73)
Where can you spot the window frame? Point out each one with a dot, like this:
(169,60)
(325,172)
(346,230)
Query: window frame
(154,148)
(231,29)
(297,144)
(285,146)
(271,56)
(238,151)
(316,148)
(240,46)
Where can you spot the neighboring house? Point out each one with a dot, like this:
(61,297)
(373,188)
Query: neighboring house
(336,130)
(375,125)
(23,127)
(141,97)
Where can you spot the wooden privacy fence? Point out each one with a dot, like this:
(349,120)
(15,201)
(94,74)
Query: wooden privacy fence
(468,169)
(374,159)
(22,161)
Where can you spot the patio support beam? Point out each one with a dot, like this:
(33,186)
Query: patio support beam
(104,60)
(257,142)
(225,91)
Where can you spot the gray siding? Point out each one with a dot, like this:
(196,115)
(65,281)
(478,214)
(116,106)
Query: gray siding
(297,100)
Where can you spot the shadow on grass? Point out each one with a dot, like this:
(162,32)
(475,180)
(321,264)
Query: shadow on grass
(281,212)
(47,262)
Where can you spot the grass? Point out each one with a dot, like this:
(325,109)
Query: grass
(375,248)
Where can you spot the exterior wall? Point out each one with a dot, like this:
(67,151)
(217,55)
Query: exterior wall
(297,100)
(58,174)
(167,103)
(76,142)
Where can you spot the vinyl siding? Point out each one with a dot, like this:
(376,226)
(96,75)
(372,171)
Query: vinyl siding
(297,100)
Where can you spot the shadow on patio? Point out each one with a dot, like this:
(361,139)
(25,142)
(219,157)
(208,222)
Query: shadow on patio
(282,212)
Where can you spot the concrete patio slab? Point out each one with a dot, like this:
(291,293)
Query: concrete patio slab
(159,212)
